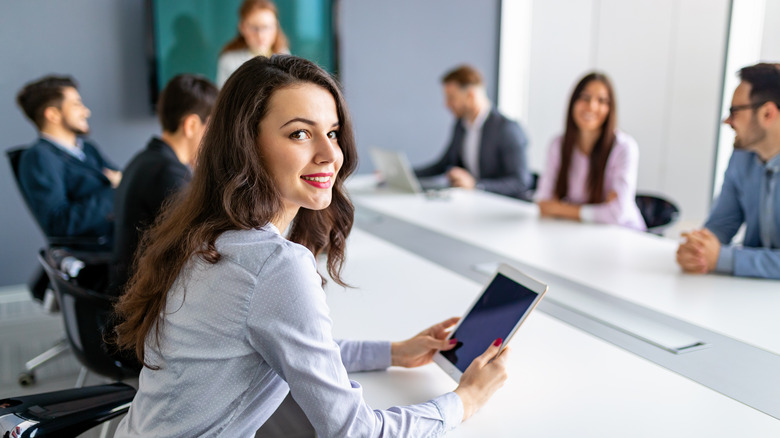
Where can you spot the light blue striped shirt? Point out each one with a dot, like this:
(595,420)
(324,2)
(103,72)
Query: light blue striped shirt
(77,150)
(750,196)
(254,326)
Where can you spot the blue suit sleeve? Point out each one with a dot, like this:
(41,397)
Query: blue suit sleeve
(59,213)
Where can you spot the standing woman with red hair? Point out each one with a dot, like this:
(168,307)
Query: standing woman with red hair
(259,34)
(591,170)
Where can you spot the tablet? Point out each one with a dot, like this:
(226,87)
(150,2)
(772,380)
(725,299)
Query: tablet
(496,313)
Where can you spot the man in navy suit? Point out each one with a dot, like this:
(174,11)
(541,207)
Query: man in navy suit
(487,151)
(67,183)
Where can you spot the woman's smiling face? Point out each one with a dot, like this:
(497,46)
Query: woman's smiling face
(299,143)
(592,107)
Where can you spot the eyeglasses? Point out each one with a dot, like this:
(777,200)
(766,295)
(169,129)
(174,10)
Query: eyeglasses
(736,108)
(261,29)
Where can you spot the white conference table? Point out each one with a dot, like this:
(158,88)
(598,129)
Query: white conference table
(634,266)
(563,382)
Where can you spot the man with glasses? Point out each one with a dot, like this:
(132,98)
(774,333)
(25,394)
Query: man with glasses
(750,192)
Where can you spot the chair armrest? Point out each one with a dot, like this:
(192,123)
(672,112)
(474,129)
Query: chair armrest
(66,413)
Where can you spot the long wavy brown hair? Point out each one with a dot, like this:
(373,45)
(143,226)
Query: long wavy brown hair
(279,45)
(603,147)
(232,189)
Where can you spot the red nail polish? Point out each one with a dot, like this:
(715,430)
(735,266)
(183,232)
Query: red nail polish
(453,341)
(497,342)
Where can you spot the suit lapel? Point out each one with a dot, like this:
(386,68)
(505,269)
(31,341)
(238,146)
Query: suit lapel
(487,146)
(70,159)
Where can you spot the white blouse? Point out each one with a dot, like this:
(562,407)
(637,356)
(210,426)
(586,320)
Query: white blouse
(252,327)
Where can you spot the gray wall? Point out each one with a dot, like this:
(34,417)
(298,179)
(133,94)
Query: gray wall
(100,43)
(392,55)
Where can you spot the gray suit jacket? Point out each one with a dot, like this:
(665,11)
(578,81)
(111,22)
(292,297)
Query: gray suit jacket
(503,167)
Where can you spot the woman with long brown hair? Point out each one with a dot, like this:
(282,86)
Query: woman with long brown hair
(259,34)
(228,315)
(591,170)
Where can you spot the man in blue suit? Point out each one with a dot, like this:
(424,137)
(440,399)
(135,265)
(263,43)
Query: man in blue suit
(487,151)
(65,180)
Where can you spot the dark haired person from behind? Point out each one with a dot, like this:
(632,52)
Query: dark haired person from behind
(487,150)
(163,168)
(750,193)
(229,315)
(67,183)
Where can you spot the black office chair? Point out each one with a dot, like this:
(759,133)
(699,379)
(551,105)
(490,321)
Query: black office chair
(658,213)
(39,283)
(534,181)
(88,316)
(63,414)
(84,243)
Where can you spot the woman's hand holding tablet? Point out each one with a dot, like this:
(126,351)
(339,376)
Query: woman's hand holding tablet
(490,323)
(482,378)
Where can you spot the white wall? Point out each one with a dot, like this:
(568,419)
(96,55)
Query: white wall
(666,61)
(770,47)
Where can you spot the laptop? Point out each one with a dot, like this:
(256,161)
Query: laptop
(398,173)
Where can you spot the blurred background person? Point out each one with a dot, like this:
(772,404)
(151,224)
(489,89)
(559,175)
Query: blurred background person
(65,180)
(487,151)
(749,194)
(591,170)
(259,34)
(162,169)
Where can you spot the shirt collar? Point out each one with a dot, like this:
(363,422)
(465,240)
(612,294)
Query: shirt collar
(77,150)
(479,121)
(272,228)
(774,163)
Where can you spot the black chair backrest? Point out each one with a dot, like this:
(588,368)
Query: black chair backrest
(63,414)
(534,181)
(656,211)
(14,156)
(88,315)
(89,243)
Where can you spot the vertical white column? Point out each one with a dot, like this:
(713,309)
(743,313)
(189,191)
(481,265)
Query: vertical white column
(744,48)
(514,58)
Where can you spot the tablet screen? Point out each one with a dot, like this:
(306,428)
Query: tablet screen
(494,316)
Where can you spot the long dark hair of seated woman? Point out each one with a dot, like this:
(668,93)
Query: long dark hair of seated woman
(231,189)
(601,150)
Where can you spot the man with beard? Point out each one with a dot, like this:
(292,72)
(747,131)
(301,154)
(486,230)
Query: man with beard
(750,192)
(67,183)
(487,151)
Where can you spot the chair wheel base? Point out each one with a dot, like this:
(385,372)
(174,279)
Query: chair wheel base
(27,379)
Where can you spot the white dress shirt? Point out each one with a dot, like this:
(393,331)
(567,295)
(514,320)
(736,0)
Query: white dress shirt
(472,140)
